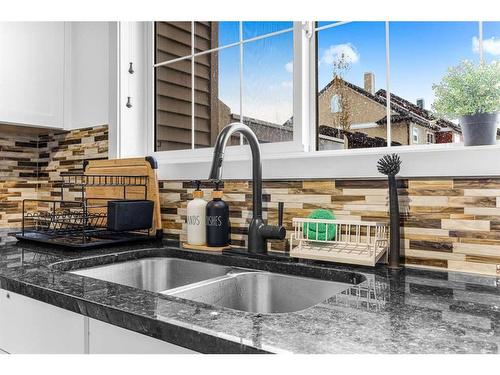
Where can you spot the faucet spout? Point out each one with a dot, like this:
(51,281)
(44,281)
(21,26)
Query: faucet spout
(220,148)
(258,232)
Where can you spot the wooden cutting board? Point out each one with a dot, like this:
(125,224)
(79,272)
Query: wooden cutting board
(127,167)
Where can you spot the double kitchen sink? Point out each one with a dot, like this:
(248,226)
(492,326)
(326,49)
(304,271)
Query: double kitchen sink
(231,287)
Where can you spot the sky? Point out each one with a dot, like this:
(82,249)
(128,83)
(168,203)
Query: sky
(420,54)
(267,80)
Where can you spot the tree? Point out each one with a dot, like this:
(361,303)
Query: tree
(342,119)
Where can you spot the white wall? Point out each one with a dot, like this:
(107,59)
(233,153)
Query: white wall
(87,93)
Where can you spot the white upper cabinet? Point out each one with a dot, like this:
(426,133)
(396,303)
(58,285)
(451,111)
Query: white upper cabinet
(54,74)
(32,73)
(87,72)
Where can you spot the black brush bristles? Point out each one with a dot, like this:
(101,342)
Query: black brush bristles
(389,165)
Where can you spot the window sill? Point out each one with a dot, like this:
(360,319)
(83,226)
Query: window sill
(443,160)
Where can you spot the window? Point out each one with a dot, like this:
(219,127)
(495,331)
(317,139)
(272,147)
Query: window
(371,83)
(209,74)
(414,133)
(352,59)
(335,104)
(351,109)
(430,137)
(413,72)
(267,98)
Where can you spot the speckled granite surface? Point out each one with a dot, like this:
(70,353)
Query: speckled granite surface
(413,311)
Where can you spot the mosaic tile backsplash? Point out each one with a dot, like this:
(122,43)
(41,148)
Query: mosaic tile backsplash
(449,223)
(30,165)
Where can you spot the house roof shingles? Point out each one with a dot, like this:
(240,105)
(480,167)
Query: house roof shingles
(421,112)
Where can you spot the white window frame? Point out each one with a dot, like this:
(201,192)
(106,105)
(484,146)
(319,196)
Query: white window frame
(298,159)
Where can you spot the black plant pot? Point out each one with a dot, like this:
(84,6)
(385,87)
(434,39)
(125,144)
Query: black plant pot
(479,129)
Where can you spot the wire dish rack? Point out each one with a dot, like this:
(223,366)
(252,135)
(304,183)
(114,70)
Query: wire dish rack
(82,222)
(343,241)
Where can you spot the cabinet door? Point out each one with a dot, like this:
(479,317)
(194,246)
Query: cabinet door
(28,326)
(105,338)
(32,73)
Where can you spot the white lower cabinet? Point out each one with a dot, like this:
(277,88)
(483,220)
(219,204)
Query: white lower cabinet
(28,326)
(106,338)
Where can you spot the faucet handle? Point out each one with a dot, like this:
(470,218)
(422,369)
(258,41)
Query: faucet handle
(281,206)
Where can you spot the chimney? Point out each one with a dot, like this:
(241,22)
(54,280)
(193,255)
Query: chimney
(370,82)
(420,103)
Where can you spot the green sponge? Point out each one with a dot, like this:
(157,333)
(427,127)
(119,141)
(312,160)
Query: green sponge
(313,229)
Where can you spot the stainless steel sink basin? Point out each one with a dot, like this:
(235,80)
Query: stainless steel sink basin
(155,274)
(261,292)
(231,287)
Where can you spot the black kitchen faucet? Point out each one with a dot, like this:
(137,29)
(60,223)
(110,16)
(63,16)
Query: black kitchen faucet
(258,232)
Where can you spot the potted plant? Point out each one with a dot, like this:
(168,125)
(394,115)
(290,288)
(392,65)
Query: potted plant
(471,94)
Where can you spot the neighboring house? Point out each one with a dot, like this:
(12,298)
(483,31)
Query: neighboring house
(265,131)
(410,123)
(268,132)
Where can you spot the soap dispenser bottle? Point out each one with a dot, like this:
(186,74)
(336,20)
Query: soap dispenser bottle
(218,229)
(195,218)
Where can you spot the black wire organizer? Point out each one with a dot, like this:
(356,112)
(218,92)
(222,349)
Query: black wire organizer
(90,220)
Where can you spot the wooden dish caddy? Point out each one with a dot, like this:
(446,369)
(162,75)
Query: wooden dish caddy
(214,249)
(353,242)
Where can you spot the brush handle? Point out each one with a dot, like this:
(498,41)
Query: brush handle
(281,207)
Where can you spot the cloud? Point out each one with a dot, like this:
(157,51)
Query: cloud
(336,52)
(289,67)
(491,45)
(287,84)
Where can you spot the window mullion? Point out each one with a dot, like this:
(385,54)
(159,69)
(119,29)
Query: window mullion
(388,85)
(191,117)
(301,92)
(192,85)
(312,89)
(241,76)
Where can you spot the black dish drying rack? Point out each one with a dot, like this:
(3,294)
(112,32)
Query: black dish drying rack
(83,223)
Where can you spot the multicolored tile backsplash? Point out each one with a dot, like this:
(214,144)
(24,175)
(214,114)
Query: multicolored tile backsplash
(31,164)
(19,160)
(449,223)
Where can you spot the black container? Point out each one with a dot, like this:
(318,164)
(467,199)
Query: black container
(130,215)
(217,222)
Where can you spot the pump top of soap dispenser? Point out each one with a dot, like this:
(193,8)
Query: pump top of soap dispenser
(197,193)
(217,193)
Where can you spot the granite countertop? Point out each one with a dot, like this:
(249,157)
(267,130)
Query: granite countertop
(413,311)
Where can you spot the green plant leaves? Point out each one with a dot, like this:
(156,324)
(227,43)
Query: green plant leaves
(467,89)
